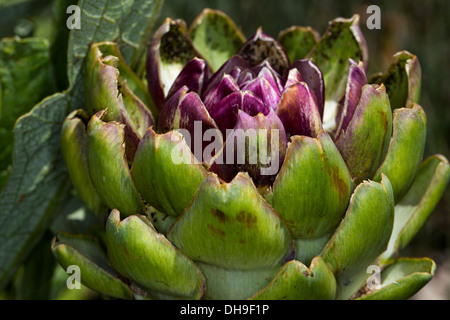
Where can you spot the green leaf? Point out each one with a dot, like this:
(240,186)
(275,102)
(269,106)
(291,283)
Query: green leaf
(34,282)
(25,79)
(25,76)
(216,37)
(37,184)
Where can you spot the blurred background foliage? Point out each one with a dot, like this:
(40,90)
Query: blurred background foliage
(421,27)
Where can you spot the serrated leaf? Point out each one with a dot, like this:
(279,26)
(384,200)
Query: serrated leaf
(129,22)
(25,79)
(36,185)
(59,42)
(34,283)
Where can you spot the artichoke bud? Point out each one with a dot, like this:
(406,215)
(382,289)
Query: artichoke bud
(275,169)
(73,148)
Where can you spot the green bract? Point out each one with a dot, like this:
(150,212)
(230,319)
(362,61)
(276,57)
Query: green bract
(347,191)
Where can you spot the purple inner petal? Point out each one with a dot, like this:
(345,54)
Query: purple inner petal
(347,106)
(313,77)
(262,89)
(225,111)
(165,121)
(293,77)
(257,145)
(245,76)
(273,78)
(298,111)
(194,75)
(253,105)
(225,87)
(226,68)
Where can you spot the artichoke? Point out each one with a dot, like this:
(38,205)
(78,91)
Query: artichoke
(250,169)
